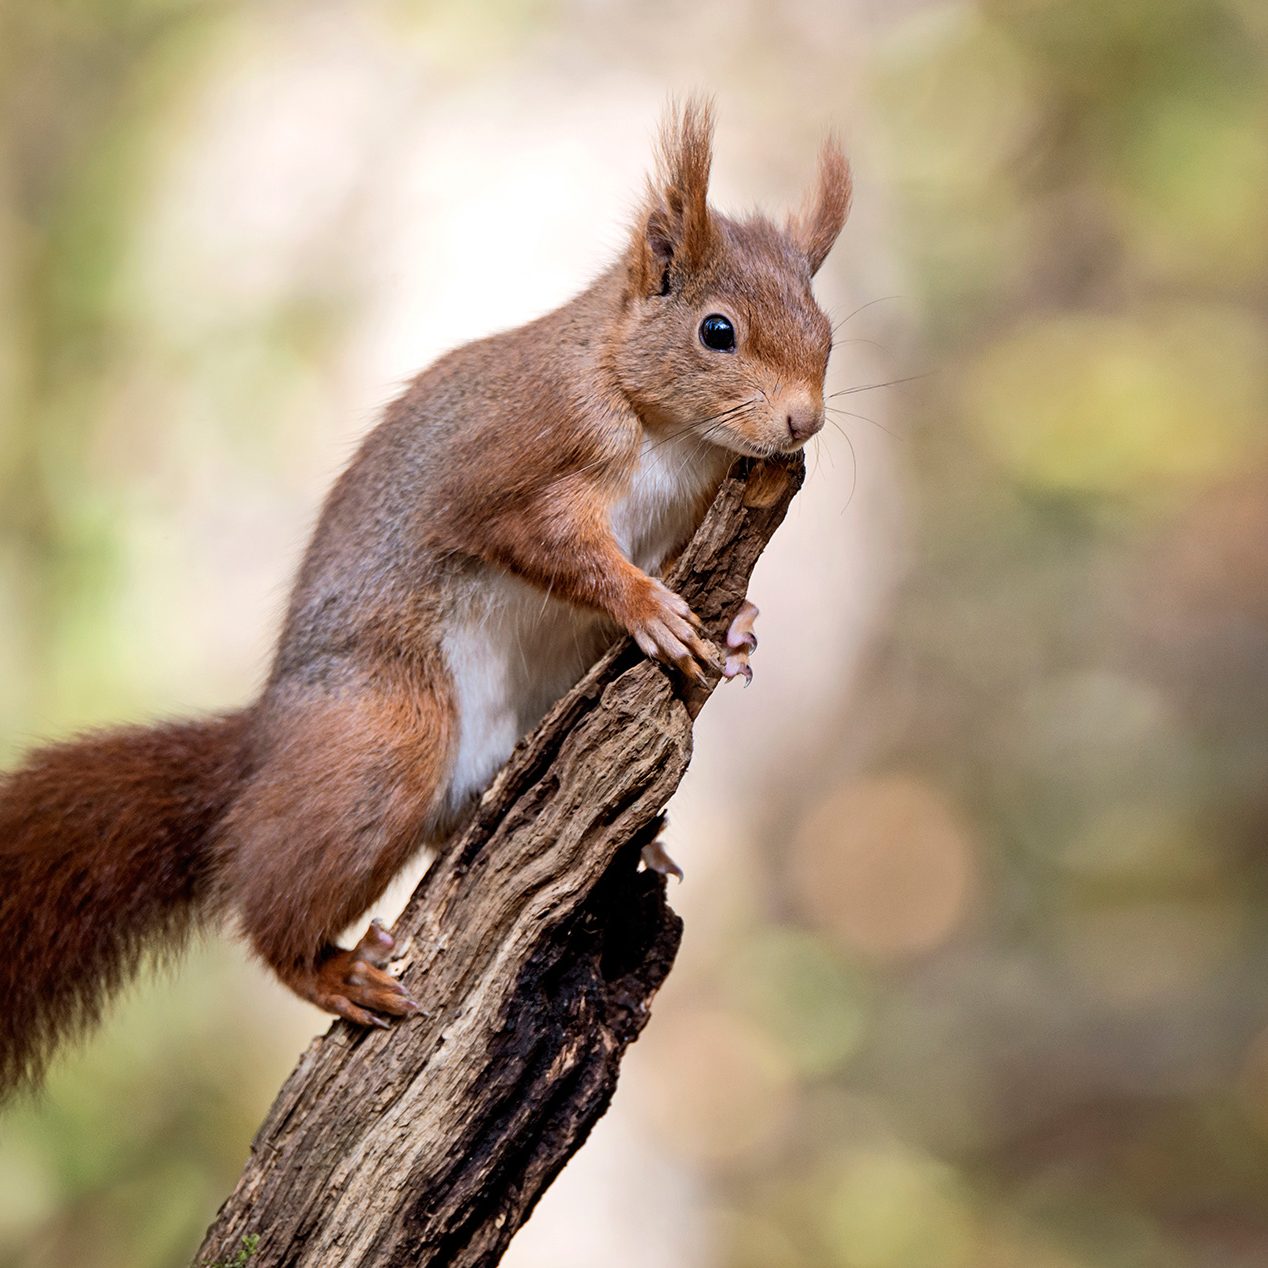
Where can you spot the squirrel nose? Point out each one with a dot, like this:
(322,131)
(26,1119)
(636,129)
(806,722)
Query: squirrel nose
(804,417)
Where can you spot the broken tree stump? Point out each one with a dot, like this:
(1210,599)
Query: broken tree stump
(535,944)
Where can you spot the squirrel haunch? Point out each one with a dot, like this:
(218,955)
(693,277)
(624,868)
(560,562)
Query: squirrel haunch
(508,517)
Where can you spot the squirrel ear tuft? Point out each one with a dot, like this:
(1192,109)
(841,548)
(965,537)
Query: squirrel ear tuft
(675,231)
(815,227)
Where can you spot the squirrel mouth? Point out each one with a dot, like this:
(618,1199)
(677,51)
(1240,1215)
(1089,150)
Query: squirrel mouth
(750,448)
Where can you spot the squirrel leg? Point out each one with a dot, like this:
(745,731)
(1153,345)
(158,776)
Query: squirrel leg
(347,793)
(741,643)
(565,546)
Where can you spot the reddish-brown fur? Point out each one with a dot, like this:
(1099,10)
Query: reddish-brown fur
(104,858)
(515,502)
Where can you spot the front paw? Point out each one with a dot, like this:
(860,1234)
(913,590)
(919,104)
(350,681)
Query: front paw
(669,631)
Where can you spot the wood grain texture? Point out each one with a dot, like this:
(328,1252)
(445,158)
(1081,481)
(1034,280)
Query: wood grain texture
(536,946)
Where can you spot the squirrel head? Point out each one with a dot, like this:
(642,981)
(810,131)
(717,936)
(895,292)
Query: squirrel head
(721,335)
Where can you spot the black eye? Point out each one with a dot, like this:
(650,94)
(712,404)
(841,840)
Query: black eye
(716,332)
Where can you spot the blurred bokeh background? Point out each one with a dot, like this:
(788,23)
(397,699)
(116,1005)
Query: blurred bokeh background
(976,964)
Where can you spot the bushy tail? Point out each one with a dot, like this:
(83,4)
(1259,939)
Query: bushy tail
(104,855)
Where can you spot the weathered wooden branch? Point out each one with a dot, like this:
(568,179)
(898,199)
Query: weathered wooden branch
(536,945)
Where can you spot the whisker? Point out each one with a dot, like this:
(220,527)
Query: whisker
(850,316)
(871,387)
(826,450)
(854,460)
(837,409)
(814,471)
(840,343)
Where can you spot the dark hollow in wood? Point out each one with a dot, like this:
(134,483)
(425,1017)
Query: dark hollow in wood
(536,946)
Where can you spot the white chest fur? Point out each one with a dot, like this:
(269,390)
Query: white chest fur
(516,650)
(656,513)
(513,653)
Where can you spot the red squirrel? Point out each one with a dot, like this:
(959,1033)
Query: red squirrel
(504,521)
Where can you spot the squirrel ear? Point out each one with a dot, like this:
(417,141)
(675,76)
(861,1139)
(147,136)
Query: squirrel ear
(815,227)
(675,231)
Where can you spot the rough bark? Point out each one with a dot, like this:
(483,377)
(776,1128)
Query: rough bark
(536,945)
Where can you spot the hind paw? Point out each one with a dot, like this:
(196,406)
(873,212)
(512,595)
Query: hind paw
(355,985)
